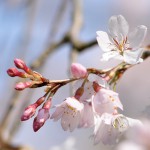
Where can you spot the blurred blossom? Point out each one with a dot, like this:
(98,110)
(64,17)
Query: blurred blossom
(137,137)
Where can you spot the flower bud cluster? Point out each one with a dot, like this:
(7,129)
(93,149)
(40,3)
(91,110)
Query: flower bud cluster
(42,115)
(35,78)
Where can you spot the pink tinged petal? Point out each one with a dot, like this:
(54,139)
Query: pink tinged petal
(88,118)
(58,112)
(118,27)
(88,92)
(69,112)
(75,121)
(133,57)
(104,42)
(105,132)
(78,71)
(137,36)
(74,104)
(106,100)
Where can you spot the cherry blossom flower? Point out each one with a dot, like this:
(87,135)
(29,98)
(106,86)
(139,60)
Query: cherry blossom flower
(119,43)
(106,101)
(88,117)
(69,112)
(109,128)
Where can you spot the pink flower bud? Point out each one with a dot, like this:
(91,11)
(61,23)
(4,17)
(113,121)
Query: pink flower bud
(12,72)
(28,112)
(39,120)
(19,63)
(22,85)
(78,70)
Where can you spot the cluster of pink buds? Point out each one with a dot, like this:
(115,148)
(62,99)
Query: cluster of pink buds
(43,113)
(36,79)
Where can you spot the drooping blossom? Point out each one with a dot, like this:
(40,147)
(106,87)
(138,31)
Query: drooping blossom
(106,101)
(69,111)
(121,44)
(88,117)
(78,70)
(109,128)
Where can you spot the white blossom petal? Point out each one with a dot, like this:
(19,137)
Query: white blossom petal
(104,131)
(104,42)
(111,54)
(136,37)
(118,27)
(133,57)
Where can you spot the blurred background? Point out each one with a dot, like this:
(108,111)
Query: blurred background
(37,31)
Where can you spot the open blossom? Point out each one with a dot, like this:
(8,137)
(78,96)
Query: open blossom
(69,112)
(88,117)
(119,43)
(109,128)
(106,101)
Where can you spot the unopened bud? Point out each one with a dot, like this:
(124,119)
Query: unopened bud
(79,93)
(78,71)
(12,72)
(39,120)
(48,103)
(28,112)
(19,63)
(22,85)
